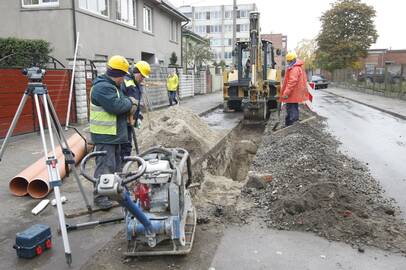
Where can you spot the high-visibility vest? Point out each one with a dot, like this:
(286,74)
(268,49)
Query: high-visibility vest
(172,82)
(102,122)
(129,83)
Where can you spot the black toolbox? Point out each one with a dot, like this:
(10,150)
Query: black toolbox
(33,241)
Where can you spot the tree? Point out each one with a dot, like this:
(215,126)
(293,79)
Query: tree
(199,54)
(173,59)
(306,51)
(346,34)
(222,64)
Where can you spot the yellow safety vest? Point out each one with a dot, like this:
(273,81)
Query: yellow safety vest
(102,122)
(172,83)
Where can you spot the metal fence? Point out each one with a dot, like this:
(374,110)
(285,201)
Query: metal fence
(388,81)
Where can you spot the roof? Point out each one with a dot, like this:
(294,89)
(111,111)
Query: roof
(170,8)
(192,34)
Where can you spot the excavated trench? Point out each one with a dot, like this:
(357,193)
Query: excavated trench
(222,172)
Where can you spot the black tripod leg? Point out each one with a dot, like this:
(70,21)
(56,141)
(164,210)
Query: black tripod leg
(69,159)
(13,123)
(137,150)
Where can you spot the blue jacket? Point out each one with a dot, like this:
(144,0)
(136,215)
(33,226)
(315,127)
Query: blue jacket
(134,91)
(104,94)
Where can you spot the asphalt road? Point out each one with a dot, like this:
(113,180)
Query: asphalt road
(371,136)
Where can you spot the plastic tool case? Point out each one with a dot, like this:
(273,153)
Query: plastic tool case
(33,241)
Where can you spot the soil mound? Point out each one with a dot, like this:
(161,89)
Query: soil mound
(316,188)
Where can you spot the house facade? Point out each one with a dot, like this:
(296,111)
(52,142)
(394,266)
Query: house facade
(147,30)
(377,60)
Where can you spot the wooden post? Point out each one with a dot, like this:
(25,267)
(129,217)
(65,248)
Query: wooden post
(401,79)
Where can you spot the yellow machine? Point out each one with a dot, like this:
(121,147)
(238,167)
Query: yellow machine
(252,88)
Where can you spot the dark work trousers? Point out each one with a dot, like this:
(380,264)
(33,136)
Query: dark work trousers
(172,97)
(292,115)
(127,147)
(111,162)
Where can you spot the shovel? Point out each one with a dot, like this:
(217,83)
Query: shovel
(279,116)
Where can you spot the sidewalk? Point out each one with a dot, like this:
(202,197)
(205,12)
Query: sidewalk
(200,104)
(395,107)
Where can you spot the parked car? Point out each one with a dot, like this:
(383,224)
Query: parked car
(319,82)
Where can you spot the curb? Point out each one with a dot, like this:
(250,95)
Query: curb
(210,109)
(401,116)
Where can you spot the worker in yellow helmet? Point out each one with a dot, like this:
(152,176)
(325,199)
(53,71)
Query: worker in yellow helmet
(132,88)
(172,84)
(109,108)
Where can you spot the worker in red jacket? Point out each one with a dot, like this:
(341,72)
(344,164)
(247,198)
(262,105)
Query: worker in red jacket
(294,88)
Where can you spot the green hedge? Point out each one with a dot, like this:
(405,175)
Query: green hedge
(26,52)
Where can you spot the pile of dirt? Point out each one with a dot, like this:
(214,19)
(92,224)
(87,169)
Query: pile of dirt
(177,127)
(316,188)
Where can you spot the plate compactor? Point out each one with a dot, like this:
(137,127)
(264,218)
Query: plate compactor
(160,218)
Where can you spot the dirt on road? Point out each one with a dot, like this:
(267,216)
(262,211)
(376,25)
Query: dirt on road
(317,188)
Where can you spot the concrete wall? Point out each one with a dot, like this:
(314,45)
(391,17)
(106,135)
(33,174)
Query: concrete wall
(51,24)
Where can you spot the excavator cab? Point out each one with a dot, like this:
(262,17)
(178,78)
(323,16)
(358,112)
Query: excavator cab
(251,86)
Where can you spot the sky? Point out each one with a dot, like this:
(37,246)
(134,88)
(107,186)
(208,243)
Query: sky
(300,19)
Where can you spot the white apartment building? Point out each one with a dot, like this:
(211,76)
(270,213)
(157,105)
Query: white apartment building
(216,24)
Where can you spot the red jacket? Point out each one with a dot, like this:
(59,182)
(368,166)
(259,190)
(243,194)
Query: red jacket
(295,84)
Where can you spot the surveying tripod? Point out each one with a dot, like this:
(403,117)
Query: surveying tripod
(37,89)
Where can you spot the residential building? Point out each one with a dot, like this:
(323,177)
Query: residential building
(190,40)
(147,30)
(379,59)
(216,24)
(279,42)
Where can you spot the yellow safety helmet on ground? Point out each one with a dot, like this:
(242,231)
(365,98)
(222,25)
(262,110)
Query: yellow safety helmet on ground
(291,56)
(144,68)
(118,62)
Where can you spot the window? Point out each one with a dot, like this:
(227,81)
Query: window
(228,14)
(100,57)
(40,3)
(228,28)
(126,11)
(215,42)
(227,55)
(199,15)
(147,19)
(207,15)
(174,30)
(215,28)
(215,15)
(95,6)
(243,14)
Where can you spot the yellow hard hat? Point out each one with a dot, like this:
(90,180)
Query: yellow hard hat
(291,56)
(118,62)
(144,68)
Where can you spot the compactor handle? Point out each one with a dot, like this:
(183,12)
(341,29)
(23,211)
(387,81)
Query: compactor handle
(141,169)
(85,160)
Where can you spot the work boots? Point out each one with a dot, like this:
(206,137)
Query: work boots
(102,202)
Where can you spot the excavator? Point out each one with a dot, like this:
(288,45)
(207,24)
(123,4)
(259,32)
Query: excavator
(252,87)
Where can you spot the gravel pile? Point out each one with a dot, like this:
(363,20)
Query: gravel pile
(316,188)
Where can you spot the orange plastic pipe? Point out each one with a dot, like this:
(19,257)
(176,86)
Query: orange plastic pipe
(39,186)
(18,184)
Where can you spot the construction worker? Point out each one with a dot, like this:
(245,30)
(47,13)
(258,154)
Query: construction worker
(172,84)
(294,88)
(132,88)
(109,108)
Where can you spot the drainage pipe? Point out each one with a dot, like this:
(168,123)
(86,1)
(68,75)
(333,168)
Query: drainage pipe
(39,186)
(18,184)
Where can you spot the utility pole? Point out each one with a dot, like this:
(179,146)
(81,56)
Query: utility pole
(234,27)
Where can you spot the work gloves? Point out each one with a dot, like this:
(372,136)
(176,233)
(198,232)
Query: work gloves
(134,105)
